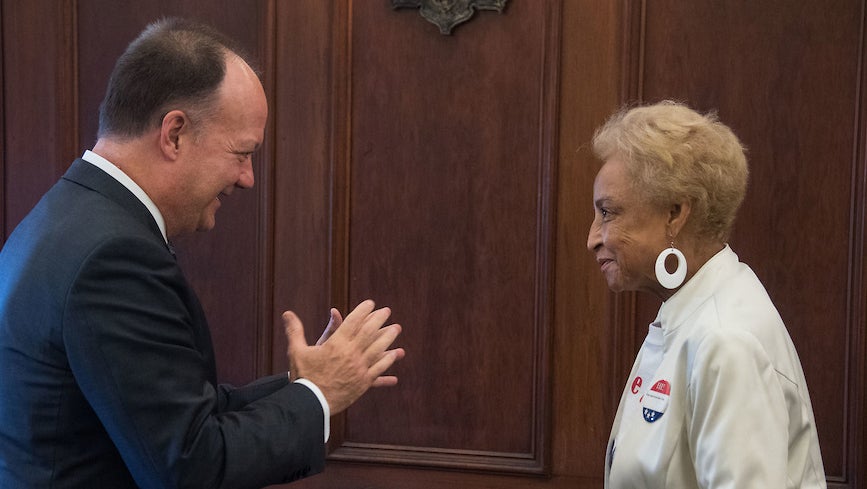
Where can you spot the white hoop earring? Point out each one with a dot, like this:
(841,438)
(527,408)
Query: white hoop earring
(670,280)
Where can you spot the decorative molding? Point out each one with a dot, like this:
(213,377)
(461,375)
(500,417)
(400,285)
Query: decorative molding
(465,460)
(855,470)
(446,14)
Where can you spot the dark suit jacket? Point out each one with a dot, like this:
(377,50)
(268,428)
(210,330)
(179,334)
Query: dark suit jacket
(108,376)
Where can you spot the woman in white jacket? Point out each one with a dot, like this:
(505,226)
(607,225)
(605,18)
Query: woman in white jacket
(717,396)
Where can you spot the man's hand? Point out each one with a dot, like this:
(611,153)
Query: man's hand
(349,358)
(333,323)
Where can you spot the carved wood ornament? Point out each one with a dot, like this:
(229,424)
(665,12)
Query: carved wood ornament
(446,14)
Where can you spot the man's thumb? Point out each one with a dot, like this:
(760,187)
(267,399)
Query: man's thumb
(294,330)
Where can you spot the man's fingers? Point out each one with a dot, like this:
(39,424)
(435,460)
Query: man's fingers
(355,357)
(381,340)
(372,325)
(355,319)
(294,331)
(333,323)
(384,363)
(385,381)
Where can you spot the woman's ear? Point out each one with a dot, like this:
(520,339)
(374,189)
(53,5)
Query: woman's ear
(678,214)
(175,124)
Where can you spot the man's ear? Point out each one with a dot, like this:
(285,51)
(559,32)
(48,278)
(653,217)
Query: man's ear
(678,214)
(174,126)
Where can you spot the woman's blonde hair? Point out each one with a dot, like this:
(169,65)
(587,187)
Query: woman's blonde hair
(674,153)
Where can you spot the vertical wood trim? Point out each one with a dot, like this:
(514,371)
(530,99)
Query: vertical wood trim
(67,79)
(622,315)
(546,253)
(301,176)
(855,468)
(340,161)
(265,316)
(341,144)
(634,20)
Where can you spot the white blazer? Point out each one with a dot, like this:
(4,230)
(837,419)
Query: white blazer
(727,406)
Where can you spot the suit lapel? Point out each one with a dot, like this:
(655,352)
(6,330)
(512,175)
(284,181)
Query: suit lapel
(90,176)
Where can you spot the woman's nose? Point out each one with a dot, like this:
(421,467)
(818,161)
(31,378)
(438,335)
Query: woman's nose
(594,236)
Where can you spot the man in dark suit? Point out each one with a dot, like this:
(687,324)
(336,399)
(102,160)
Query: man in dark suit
(108,367)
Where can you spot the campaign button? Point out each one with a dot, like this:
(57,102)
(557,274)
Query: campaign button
(636,385)
(655,401)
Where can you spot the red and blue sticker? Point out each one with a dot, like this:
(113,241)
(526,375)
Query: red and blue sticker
(655,401)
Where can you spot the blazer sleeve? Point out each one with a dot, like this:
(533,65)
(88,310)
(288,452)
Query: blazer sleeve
(135,350)
(231,398)
(737,414)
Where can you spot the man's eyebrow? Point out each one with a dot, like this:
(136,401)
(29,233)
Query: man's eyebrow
(256,146)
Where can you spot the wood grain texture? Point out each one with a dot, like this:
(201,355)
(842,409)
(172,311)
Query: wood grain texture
(39,84)
(450,194)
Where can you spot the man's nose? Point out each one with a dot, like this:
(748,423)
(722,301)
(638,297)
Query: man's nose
(247,179)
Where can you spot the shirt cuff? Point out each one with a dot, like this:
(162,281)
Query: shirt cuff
(326,412)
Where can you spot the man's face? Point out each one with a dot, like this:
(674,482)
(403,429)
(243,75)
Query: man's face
(217,158)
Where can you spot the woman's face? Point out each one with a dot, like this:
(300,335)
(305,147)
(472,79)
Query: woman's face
(627,233)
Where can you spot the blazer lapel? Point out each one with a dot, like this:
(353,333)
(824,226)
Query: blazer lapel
(92,177)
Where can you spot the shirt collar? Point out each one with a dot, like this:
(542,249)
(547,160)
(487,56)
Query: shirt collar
(697,290)
(124,179)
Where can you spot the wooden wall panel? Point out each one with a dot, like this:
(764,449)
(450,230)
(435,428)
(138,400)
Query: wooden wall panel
(39,86)
(785,79)
(450,188)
